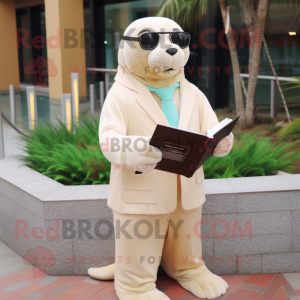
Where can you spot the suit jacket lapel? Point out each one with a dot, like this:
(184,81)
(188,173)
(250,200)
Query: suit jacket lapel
(143,98)
(148,103)
(186,104)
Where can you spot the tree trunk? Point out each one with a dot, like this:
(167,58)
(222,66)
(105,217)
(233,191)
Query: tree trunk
(255,59)
(235,66)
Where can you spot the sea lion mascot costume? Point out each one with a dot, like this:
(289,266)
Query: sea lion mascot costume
(156,214)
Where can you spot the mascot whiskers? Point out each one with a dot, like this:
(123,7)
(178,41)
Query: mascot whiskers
(155,212)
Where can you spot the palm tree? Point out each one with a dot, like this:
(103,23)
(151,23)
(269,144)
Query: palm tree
(254,12)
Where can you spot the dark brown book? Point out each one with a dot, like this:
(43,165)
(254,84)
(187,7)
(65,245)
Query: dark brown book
(183,152)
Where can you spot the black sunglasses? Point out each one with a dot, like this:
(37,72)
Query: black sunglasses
(150,40)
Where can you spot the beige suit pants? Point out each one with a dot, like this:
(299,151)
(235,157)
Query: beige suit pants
(143,242)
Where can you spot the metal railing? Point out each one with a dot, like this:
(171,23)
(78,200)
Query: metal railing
(70,109)
(105,84)
(274,89)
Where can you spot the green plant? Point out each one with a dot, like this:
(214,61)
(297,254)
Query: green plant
(273,129)
(295,85)
(252,155)
(264,120)
(75,158)
(71,158)
(290,131)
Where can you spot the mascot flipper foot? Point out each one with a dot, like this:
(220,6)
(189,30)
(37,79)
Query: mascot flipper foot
(207,285)
(104,273)
(154,294)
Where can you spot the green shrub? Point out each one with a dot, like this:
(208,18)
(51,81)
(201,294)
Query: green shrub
(252,156)
(273,129)
(75,158)
(70,158)
(290,131)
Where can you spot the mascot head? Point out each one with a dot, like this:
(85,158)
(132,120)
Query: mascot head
(156,59)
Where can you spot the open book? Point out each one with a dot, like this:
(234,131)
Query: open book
(183,151)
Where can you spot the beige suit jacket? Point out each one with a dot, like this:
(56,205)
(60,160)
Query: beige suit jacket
(131,110)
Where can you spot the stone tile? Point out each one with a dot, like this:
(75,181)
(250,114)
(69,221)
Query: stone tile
(59,290)
(86,209)
(82,269)
(223,247)
(16,286)
(259,202)
(23,248)
(263,244)
(209,262)
(207,221)
(9,239)
(249,264)
(9,165)
(92,281)
(47,281)
(296,242)
(31,219)
(33,243)
(84,229)
(8,205)
(60,268)
(82,192)
(281,263)
(293,279)
(225,265)
(29,202)
(296,221)
(267,222)
(35,295)
(7,189)
(1,232)
(208,247)
(222,225)
(293,298)
(7,221)
(94,250)
(10,263)
(217,186)
(40,188)
(22,176)
(265,183)
(61,249)
(220,204)
(260,244)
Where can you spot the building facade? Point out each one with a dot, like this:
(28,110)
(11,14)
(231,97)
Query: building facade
(43,41)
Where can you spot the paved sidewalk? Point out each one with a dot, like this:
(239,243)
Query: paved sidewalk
(10,261)
(12,145)
(23,285)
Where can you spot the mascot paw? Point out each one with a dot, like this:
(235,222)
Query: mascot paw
(207,285)
(104,273)
(154,294)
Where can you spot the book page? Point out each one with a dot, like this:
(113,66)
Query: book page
(212,131)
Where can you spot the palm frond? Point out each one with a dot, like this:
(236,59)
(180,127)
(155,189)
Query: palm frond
(290,131)
(186,13)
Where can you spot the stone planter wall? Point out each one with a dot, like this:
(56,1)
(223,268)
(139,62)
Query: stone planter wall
(250,225)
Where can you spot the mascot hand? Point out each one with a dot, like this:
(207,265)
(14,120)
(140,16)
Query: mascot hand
(224,146)
(142,156)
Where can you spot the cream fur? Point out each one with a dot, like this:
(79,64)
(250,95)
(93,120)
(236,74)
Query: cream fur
(134,60)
